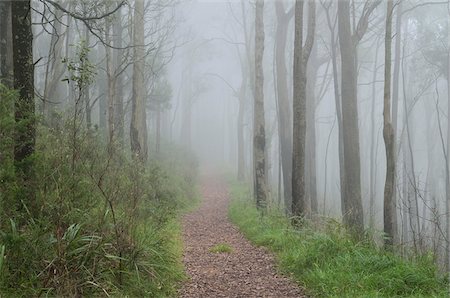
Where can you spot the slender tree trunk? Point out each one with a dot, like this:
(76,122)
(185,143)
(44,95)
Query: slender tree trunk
(6,63)
(373,145)
(25,138)
(390,213)
(54,72)
(284,111)
(299,117)
(259,134)
(138,127)
(301,57)
(111,79)
(86,93)
(447,166)
(119,127)
(352,202)
(311,169)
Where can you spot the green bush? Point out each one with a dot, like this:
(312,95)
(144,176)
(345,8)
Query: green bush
(329,263)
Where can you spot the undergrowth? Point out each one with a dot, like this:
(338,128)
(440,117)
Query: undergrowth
(98,223)
(328,263)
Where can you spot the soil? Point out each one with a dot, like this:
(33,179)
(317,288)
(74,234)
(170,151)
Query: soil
(246,271)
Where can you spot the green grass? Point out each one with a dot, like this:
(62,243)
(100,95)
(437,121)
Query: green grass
(328,263)
(221,248)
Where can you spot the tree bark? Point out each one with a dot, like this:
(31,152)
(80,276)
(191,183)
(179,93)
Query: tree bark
(259,134)
(25,138)
(6,64)
(352,202)
(301,57)
(389,210)
(310,164)
(117,30)
(373,142)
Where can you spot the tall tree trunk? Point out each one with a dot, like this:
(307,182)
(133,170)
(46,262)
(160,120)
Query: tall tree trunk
(301,57)
(373,142)
(352,202)
(6,63)
(311,169)
(86,94)
(54,71)
(390,212)
(111,79)
(284,110)
(447,165)
(25,138)
(138,126)
(117,30)
(259,134)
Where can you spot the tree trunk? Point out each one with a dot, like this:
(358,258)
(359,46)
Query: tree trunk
(373,142)
(259,135)
(6,63)
(447,167)
(111,79)
(138,126)
(86,93)
(301,56)
(54,72)
(311,170)
(390,212)
(352,203)
(284,111)
(117,30)
(25,138)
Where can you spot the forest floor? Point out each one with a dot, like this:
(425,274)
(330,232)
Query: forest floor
(219,261)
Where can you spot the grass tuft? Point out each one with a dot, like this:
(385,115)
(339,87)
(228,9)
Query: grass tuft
(221,248)
(328,263)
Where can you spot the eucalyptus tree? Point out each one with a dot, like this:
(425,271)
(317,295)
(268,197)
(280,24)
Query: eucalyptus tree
(351,202)
(23,82)
(389,209)
(259,135)
(301,57)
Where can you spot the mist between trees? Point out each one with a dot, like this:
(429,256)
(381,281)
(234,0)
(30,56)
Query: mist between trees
(326,108)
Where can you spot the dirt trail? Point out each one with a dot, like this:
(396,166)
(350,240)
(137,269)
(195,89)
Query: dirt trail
(247,271)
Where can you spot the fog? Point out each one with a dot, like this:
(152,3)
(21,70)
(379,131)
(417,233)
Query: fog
(186,74)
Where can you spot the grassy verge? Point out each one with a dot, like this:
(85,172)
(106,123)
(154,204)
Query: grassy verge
(328,263)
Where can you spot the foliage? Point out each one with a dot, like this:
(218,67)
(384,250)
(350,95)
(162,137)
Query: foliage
(104,225)
(221,248)
(328,263)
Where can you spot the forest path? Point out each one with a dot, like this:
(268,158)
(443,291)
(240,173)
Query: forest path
(247,271)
